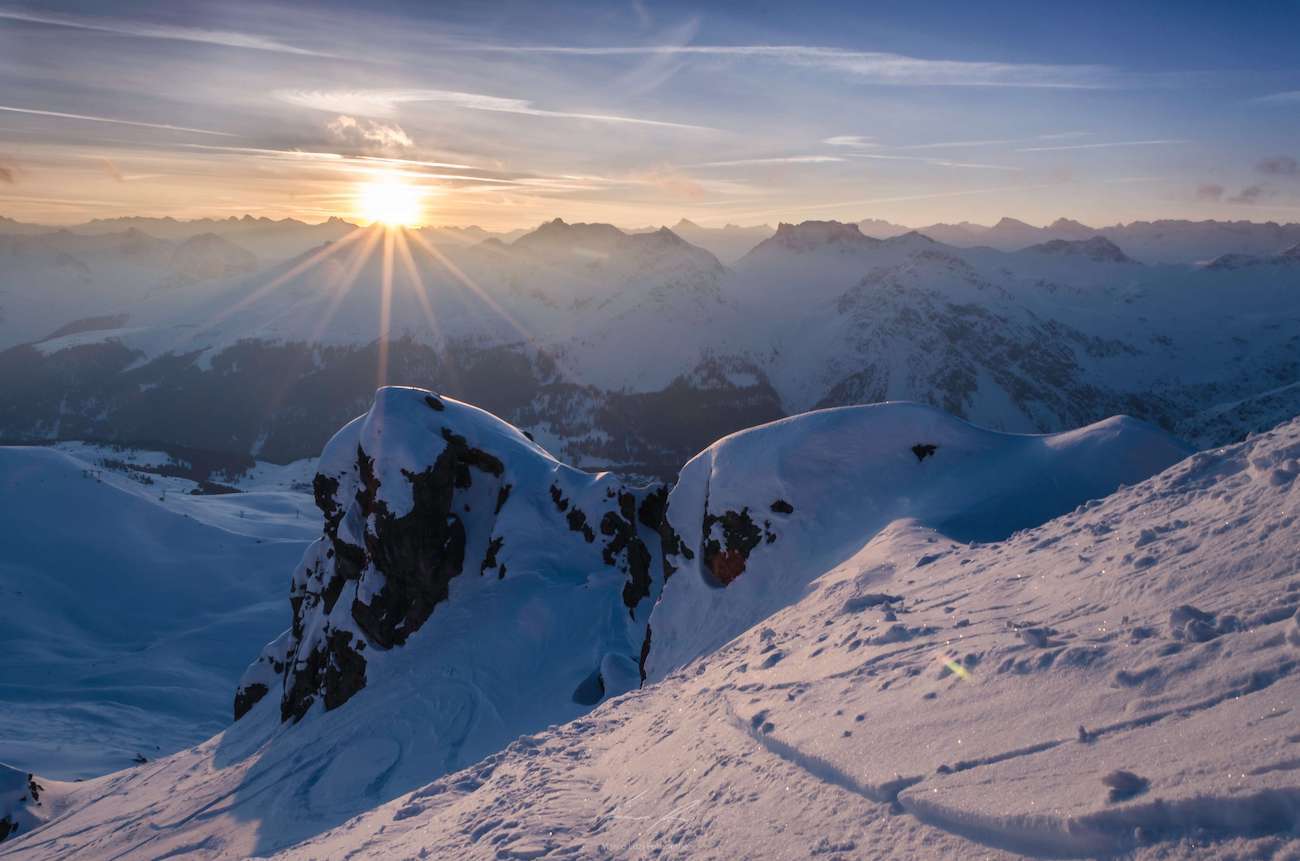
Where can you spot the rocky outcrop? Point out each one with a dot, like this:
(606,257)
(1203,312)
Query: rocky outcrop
(420,495)
(21,804)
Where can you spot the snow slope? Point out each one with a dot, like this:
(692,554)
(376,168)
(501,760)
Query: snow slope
(126,607)
(774,506)
(1120,681)
(535,632)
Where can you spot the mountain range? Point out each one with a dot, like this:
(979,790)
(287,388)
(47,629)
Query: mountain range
(193,342)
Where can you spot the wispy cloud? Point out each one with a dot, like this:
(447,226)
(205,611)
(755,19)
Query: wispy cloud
(1281,165)
(366,134)
(851,141)
(1286,98)
(114,120)
(958,144)
(789,159)
(1251,194)
(1104,146)
(931,196)
(936,162)
(139,29)
(873,66)
(858,142)
(384,103)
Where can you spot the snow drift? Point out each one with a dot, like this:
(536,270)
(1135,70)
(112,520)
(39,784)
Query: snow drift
(764,511)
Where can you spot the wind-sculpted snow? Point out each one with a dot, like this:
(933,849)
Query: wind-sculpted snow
(769,509)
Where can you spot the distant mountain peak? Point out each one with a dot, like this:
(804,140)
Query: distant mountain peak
(911,237)
(1097,248)
(1007,223)
(811,235)
(1069,224)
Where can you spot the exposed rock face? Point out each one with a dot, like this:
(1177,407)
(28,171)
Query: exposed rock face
(421,494)
(729,538)
(810,235)
(21,808)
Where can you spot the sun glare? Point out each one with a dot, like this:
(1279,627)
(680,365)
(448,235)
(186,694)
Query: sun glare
(390,200)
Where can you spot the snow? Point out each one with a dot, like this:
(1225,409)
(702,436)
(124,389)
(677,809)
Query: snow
(876,681)
(127,607)
(848,472)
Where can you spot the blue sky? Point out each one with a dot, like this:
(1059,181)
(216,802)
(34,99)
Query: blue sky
(640,113)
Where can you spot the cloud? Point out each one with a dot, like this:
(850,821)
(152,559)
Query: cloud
(1210,191)
(8,173)
(366,134)
(224,38)
(383,103)
(996,141)
(1169,141)
(1289,97)
(94,119)
(937,162)
(789,159)
(1251,194)
(851,141)
(930,196)
(1280,165)
(871,66)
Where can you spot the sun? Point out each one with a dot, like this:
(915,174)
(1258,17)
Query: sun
(392,201)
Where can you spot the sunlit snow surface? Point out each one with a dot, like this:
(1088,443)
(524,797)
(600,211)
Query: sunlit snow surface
(889,691)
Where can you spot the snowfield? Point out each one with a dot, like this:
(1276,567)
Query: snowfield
(127,602)
(883,633)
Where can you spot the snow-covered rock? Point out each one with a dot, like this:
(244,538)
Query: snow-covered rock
(758,515)
(454,545)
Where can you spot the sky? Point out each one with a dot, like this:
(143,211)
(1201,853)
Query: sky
(504,114)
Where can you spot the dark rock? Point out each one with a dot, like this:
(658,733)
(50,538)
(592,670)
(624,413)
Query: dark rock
(247,697)
(922,450)
(490,557)
(645,653)
(726,559)
(1124,785)
(591,690)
